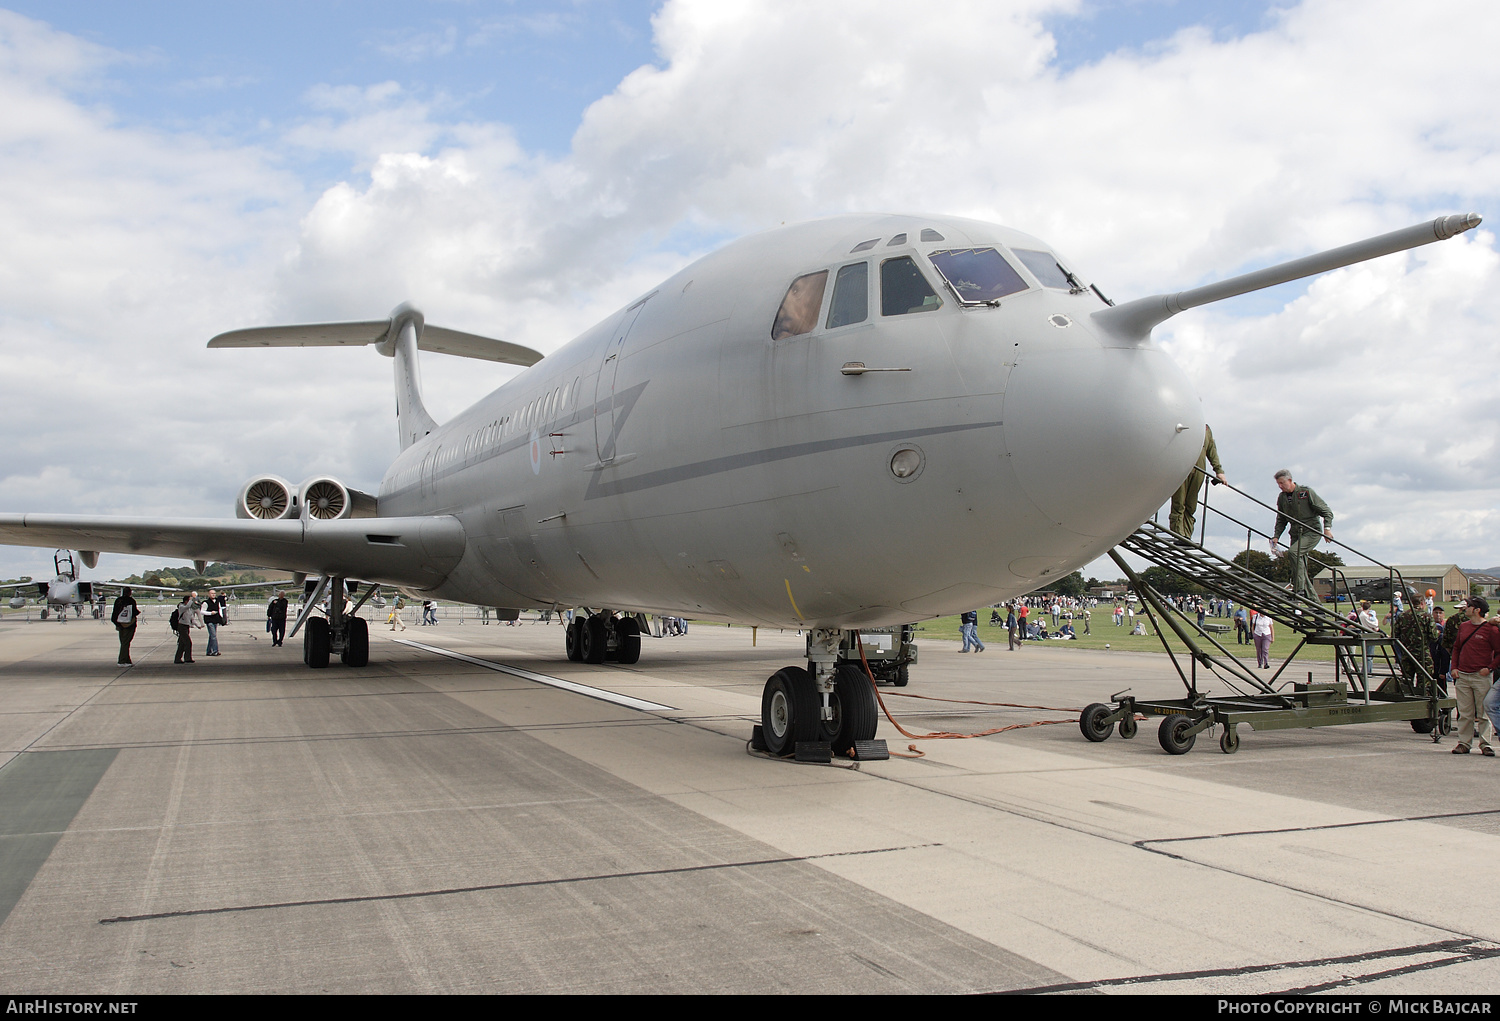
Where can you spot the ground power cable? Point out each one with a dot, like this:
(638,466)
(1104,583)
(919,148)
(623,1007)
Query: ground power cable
(943,735)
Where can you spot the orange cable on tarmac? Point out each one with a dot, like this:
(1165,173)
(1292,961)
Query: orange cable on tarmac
(943,735)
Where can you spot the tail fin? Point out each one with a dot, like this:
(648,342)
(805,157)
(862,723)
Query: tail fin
(412,420)
(399,337)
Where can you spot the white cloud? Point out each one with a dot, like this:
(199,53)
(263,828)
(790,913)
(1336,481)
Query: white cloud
(1154,170)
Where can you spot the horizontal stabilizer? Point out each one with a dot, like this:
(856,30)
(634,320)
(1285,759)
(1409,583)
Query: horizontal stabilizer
(413,551)
(379,331)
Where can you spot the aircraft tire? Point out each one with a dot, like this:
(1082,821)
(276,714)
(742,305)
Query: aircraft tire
(789,710)
(357,643)
(316,642)
(855,711)
(595,635)
(1170,735)
(573,640)
(630,640)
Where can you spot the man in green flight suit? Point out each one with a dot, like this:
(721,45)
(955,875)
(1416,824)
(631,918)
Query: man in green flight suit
(1185,500)
(1310,520)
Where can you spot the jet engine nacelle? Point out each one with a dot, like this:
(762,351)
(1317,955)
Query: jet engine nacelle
(267,497)
(327,499)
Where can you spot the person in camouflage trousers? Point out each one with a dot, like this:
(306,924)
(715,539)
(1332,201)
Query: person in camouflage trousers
(1416,632)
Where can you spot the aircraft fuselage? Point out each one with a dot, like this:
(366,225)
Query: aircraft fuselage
(678,459)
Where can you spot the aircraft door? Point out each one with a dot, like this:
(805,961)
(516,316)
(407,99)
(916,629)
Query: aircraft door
(604,383)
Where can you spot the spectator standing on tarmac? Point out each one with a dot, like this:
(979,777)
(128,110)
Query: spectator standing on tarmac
(1476,656)
(124,617)
(1010,626)
(1185,500)
(1440,663)
(1310,520)
(213,616)
(276,619)
(1264,633)
(182,622)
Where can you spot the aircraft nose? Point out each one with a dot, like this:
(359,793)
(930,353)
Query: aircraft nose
(1098,439)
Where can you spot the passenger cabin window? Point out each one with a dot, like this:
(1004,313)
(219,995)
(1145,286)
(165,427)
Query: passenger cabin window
(799,309)
(903,288)
(977,275)
(1045,267)
(851,296)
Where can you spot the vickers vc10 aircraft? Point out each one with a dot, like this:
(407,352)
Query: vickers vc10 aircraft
(858,421)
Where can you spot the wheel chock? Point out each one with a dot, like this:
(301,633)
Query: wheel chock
(758,739)
(814,751)
(871,751)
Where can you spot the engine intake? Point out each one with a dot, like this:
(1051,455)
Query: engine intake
(325,498)
(267,497)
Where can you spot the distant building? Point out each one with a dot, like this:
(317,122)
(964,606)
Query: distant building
(1489,585)
(1447,580)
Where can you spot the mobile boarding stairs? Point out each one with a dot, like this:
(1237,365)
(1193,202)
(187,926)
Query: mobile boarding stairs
(1367,687)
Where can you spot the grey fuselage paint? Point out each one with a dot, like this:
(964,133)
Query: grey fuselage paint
(675,459)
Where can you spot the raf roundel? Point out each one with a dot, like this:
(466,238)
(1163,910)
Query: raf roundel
(536,452)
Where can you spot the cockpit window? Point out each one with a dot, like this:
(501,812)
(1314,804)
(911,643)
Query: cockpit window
(1044,266)
(903,288)
(977,275)
(851,296)
(799,309)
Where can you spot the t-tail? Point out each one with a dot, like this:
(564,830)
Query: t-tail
(400,337)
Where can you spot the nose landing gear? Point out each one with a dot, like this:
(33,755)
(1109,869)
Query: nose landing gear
(828,708)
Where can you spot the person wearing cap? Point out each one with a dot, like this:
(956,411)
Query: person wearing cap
(1309,518)
(1476,656)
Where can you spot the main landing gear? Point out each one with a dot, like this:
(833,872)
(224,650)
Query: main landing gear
(827,708)
(341,633)
(595,637)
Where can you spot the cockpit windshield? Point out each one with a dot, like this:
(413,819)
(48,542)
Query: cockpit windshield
(1045,266)
(977,275)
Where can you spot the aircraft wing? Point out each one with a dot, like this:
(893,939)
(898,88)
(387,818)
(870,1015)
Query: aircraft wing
(417,551)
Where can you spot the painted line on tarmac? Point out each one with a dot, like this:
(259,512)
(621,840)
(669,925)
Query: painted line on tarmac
(1144,844)
(518,885)
(601,694)
(1458,951)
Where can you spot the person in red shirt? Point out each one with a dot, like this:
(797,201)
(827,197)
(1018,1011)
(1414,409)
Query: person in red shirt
(1476,655)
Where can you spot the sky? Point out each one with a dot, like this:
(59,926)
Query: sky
(521,170)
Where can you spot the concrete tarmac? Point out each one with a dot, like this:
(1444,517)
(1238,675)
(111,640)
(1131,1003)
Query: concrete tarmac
(450,819)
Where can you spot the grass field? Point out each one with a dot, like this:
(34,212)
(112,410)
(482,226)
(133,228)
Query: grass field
(1103,633)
